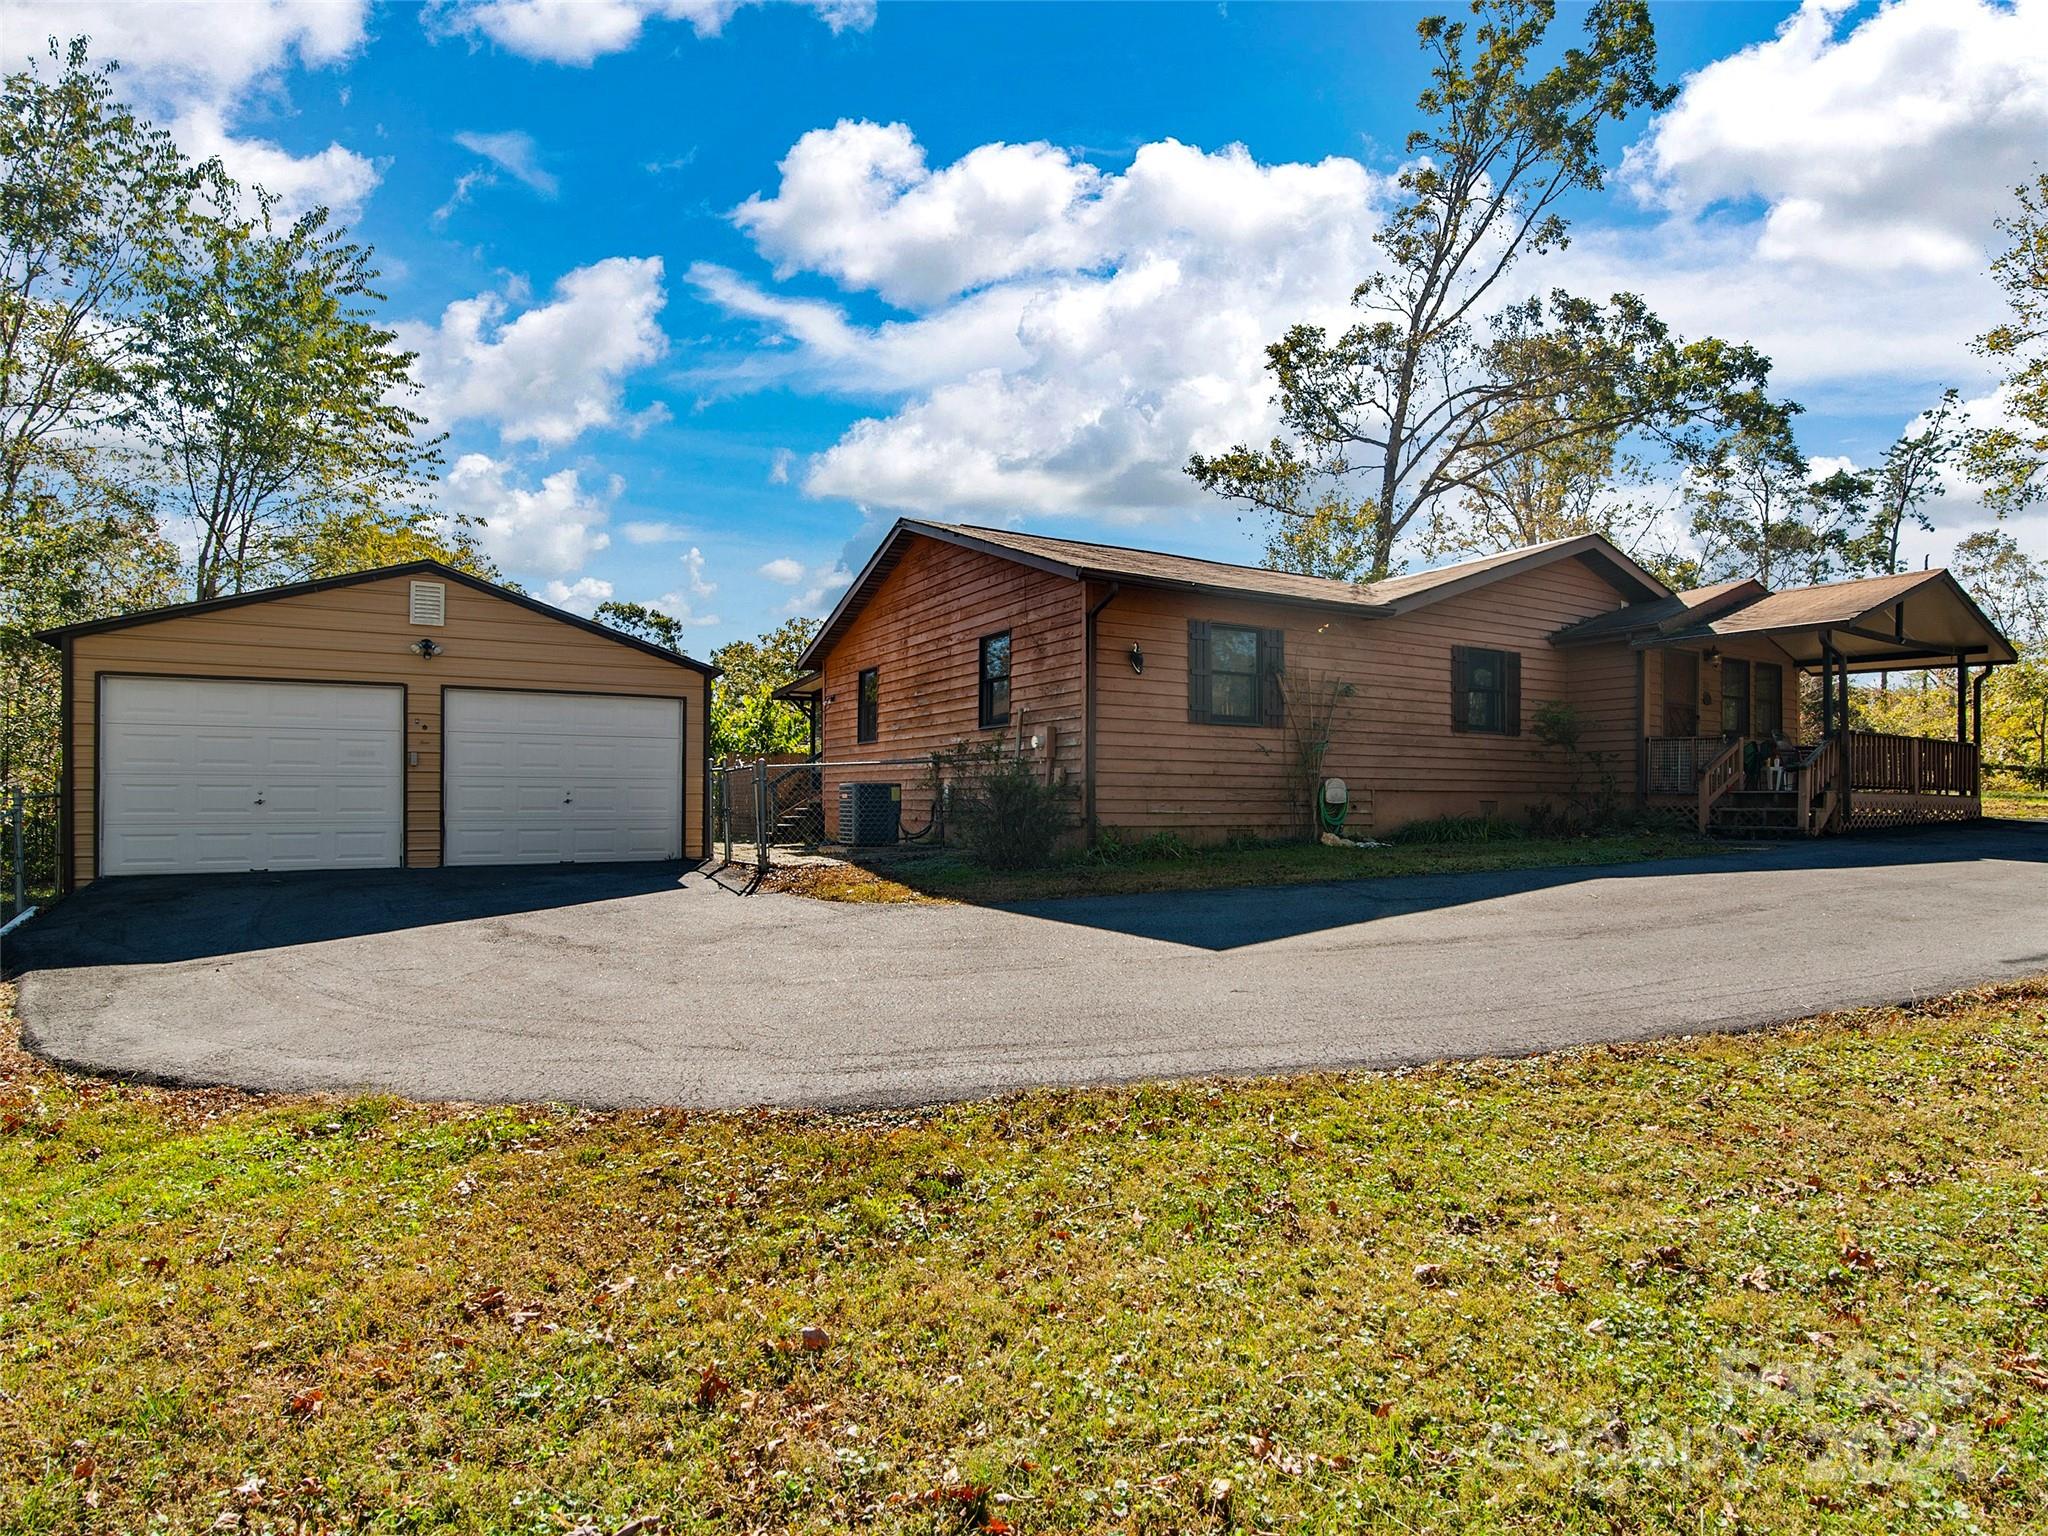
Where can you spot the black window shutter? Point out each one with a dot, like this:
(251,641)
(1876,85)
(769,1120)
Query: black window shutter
(1511,692)
(1461,684)
(1272,666)
(1198,671)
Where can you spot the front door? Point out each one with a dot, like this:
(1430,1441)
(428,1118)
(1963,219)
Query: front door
(1681,693)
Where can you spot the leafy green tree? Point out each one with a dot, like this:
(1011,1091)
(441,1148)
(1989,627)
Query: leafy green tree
(1746,498)
(91,200)
(58,566)
(1906,479)
(2010,460)
(1423,398)
(746,719)
(362,538)
(276,402)
(646,623)
(2010,584)
(1835,512)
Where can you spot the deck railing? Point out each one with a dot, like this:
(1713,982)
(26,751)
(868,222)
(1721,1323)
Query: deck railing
(1719,776)
(1674,762)
(1910,765)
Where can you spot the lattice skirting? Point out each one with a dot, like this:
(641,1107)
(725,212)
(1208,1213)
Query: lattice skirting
(1876,810)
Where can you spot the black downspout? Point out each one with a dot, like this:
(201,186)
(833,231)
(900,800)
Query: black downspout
(67,843)
(1642,727)
(1088,709)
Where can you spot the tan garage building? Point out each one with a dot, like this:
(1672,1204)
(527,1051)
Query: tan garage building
(405,717)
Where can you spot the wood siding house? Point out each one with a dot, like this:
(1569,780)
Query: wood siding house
(1151,684)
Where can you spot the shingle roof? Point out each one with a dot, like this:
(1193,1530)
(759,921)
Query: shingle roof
(1083,560)
(1665,612)
(1149,565)
(434,568)
(1838,602)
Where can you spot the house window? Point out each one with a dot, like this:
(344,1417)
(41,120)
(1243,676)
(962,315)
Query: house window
(1767,708)
(1486,691)
(995,680)
(1234,674)
(868,705)
(1734,698)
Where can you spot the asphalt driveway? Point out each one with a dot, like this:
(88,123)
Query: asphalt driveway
(649,985)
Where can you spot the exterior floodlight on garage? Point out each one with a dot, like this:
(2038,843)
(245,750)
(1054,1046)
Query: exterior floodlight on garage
(425,649)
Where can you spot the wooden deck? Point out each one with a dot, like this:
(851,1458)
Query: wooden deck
(1902,780)
(1864,780)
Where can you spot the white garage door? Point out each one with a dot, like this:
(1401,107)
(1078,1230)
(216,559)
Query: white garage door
(550,778)
(198,775)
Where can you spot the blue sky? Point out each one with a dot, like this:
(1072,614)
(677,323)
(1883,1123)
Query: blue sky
(1010,263)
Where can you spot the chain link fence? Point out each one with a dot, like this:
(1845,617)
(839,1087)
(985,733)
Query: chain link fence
(28,850)
(768,813)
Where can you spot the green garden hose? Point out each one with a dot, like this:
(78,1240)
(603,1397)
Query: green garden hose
(1330,817)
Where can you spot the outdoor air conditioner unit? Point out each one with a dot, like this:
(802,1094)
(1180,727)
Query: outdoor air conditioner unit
(870,814)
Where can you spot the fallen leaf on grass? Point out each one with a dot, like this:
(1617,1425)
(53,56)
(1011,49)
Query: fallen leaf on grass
(306,1403)
(1756,1279)
(2028,1368)
(1430,1274)
(711,1387)
(813,1339)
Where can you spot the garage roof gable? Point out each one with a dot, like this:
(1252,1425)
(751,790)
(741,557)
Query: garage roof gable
(432,568)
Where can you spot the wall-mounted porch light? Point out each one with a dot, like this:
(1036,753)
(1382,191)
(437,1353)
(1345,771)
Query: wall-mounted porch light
(1137,658)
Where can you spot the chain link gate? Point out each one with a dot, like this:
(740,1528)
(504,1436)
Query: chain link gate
(28,851)
(763,809)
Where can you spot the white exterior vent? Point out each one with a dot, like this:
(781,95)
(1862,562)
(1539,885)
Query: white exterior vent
(429,602)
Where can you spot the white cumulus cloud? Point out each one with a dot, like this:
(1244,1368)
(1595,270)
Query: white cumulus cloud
(552,371)
(1830,194)
(580,31)
(195,64)
(1877,147)
(551,529)
(1071,334)
(785,570)
(693,568)
(579,596)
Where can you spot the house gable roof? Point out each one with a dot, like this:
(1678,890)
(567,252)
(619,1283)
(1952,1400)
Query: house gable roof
(1874,621)
(1665,614)
(432,568)
(1080,560)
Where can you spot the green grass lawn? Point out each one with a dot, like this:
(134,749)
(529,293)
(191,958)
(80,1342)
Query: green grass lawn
(1793,1281)
(2016,801)
(955,876)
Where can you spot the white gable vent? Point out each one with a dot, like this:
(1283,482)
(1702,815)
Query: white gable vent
(429,602)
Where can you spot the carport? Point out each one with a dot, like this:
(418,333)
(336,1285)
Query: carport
(404,717)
